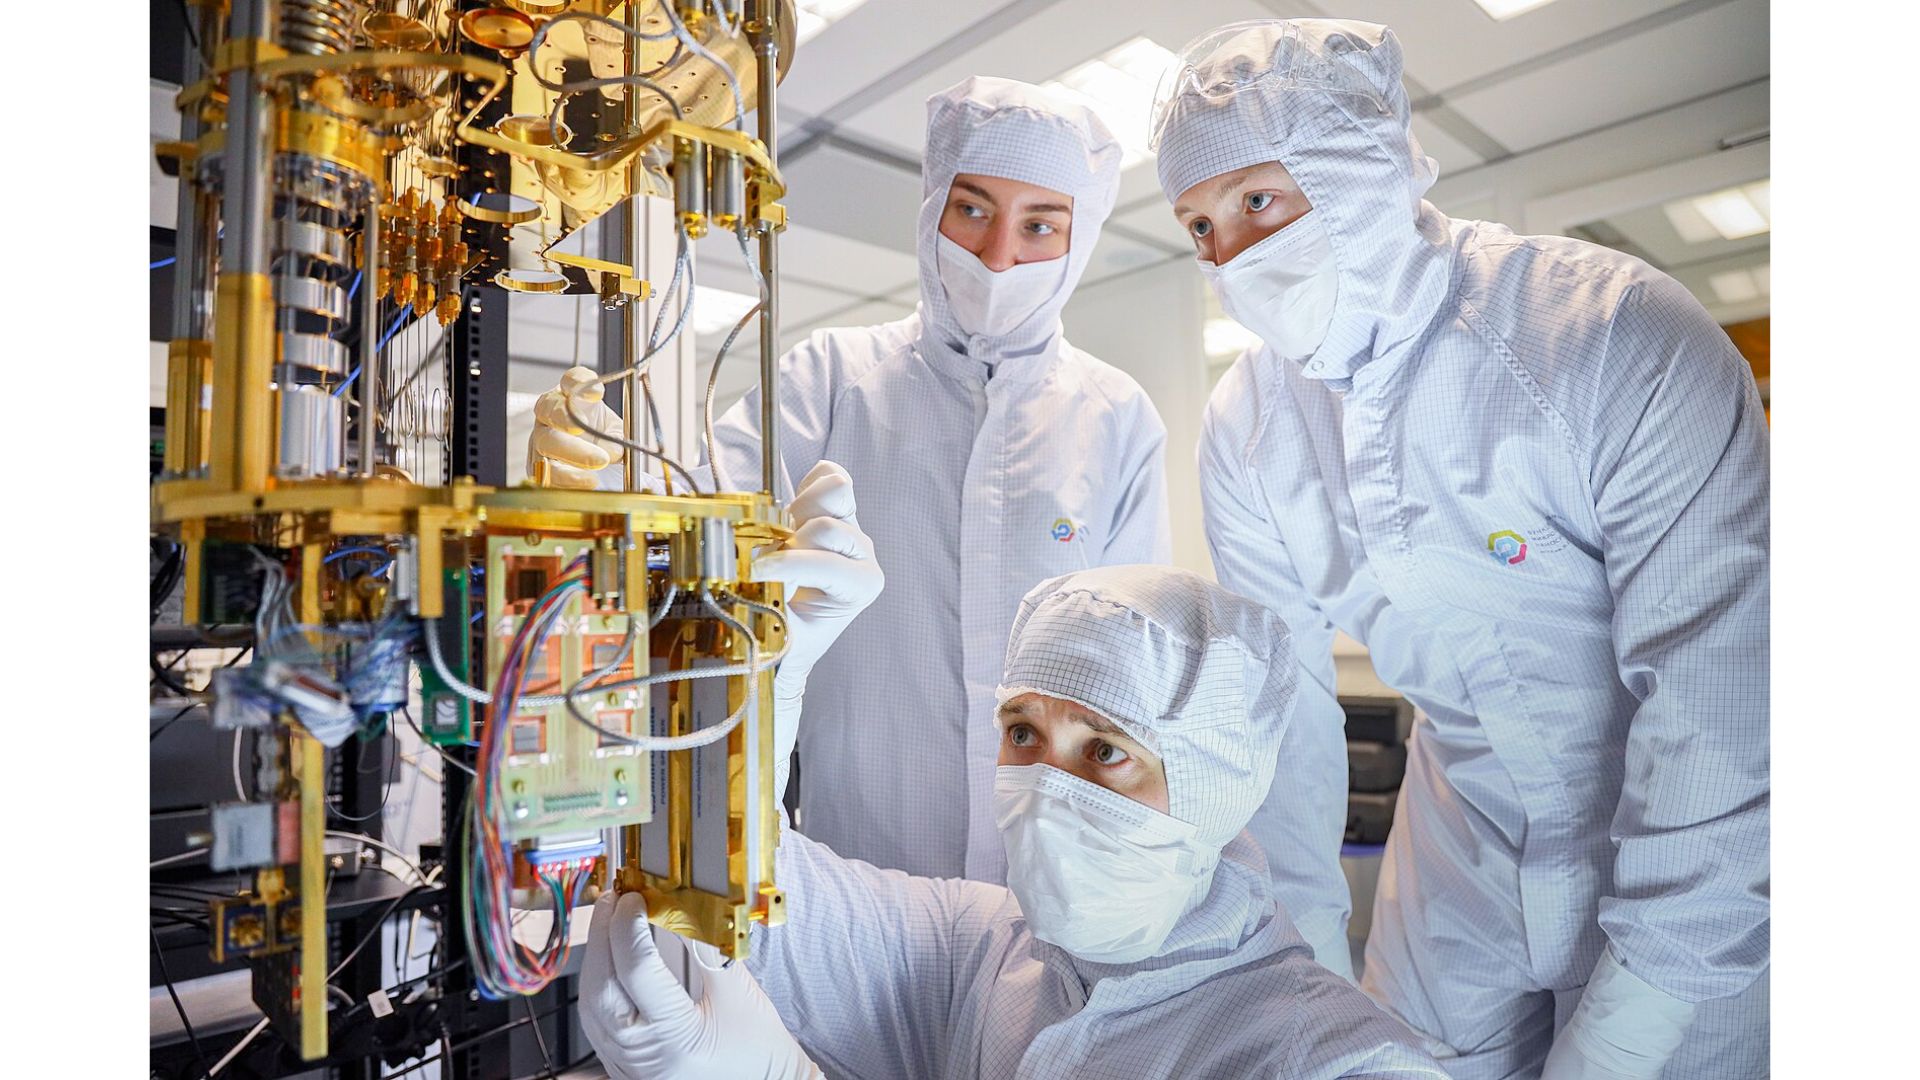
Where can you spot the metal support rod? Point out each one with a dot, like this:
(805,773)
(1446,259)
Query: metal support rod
(767,57)
(186,225)
(244,343)
(246,191)
(632,313)
(370,337)
(189,330)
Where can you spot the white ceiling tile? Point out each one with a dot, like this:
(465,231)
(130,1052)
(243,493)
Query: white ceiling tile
(1448,42)
(817,257)
(841,192)
(1452,154)
(845,59)
(1717,48)
(1698,278)
(1650,230)
(1042,47)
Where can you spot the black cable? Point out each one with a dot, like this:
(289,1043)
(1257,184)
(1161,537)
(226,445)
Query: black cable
(160,958)
(167,578)
(540,1037)
(403,984)
(156,732)
(164,676)
(421,1064)
(378,923)
(386,793)
(506,1027)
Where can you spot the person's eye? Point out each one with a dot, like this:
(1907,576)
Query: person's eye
(968,210)
(1040,228)
(1259,201)
(1108,754)
(1200,228)
(1021,735)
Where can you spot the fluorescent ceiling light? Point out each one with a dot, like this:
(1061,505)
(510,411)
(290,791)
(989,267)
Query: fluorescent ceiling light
(817,15)
(1224,337)
(716,310)
(1502,10)
(1740,286)
(1733,213)
(1118,86)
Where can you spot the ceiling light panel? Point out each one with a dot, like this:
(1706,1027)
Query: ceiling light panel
(817,15)
(1502,10)
(1733,213)
(1118,86)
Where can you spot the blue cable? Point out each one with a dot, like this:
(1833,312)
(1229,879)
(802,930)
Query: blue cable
(362,549)
(392,330)
(355,287)
(168,261)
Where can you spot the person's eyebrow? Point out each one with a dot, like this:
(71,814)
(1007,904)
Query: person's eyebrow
(1011,709)
(1100,723)
(975,190)
(1049,208)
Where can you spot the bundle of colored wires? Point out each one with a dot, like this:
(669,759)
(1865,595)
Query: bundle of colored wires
(505,966)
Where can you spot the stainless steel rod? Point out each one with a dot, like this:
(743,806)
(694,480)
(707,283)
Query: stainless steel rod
(767,55)
(247,186)
(370,338)
(632,313)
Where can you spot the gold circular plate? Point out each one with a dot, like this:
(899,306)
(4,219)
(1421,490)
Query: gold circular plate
(501,29)
(531,281)
(499,208)
(539,7)
(391,31)
(438,166)
(531,129)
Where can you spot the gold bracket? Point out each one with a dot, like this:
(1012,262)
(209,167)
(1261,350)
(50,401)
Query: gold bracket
(235,53)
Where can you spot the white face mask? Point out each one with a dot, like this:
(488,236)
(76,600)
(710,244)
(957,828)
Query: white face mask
(1282,288)
(993,303)
(1096,873)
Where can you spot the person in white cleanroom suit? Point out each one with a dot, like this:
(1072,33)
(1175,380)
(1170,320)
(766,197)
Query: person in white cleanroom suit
(1530,475)
(1140,714)
(989,454)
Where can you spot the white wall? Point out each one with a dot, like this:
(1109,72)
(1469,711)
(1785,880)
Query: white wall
(1147,324)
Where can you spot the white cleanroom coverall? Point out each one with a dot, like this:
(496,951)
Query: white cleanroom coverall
(942,978)
(981,466)
(1530,475)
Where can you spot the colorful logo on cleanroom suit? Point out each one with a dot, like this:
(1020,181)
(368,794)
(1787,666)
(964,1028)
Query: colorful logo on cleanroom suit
(1062,530)
(1508,546)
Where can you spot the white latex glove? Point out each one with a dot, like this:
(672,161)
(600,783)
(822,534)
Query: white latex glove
(831,576)
(645,1027)
(559,453)
(1623,1029)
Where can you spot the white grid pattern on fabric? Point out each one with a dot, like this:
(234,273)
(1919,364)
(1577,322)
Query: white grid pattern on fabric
(1014,130)
(1530,475)
(978,473)
(1202,676)
(1611,678)
(882,975)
